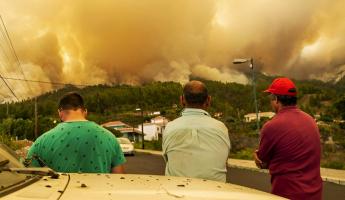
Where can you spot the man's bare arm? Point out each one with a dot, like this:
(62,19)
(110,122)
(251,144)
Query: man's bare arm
(118,170)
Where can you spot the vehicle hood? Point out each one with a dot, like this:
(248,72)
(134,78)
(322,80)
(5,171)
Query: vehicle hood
(134,187)
(149,187)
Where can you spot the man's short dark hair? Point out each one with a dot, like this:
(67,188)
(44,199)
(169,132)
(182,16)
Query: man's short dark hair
(71,101)
(287,100)
(195,95)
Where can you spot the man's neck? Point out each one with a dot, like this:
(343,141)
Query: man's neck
(281,107)
(75,120)
(73,115)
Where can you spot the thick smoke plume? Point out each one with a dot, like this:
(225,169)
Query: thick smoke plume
(131,41)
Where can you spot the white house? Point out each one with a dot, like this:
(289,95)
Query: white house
(250,117)
(133,134)
(154,129)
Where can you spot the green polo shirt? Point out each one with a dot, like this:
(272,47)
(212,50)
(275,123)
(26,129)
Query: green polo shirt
(196,145)
(80,146)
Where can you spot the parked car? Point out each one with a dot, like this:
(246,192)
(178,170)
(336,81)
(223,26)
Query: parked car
(126,146)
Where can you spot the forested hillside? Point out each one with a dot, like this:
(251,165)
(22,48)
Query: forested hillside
(231,102)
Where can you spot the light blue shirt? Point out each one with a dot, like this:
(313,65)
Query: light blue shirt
(196,145)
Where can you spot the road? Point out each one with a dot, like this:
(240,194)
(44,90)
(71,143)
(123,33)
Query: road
(143,163)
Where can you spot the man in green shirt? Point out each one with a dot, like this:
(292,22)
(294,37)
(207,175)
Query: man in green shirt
(195,144)
(76,144)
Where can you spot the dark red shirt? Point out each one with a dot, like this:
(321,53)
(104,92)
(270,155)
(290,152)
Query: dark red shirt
(290,145)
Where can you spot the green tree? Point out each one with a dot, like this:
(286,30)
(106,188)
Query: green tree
(340,106)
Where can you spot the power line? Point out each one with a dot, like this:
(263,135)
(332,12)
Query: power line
(3,34)
(4,51)
(9,87)
(2,95)
(45,82)
(14,51)
(6,58)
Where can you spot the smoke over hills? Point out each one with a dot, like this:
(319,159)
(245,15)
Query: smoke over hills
(130,41)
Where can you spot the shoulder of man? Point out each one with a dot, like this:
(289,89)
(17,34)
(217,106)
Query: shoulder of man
(307,115)
(272,125)
(216,123)
(173,123)
(106,133)
(94,126)
(41,140)
(47,134)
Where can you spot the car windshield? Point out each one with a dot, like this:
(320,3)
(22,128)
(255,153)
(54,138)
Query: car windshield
(123,141)
(8,159)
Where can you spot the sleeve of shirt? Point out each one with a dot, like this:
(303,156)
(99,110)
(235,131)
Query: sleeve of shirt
(266,144)
(226,133)
(119,158)
(34,150)
(229,142)
(165,144)
(165,156)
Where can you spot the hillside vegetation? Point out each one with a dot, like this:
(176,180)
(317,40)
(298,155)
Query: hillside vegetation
(231,102)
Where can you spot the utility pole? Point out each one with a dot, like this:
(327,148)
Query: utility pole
(255,99)
(142,126)
(251,65)
(142,118)
(36,119)
(142,129)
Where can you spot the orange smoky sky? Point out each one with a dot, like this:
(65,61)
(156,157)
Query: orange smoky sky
(131,41)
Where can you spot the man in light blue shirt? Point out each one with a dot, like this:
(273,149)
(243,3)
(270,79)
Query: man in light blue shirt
(195,144)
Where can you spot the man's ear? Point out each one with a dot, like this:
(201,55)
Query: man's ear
(182,101)
(60,114)
(85,112)
(208,101)
(275,100)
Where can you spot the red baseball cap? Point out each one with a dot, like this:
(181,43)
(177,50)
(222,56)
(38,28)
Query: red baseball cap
(282,86)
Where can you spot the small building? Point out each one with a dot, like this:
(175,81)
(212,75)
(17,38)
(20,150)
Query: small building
(322,123)
(133,134)
(218,114)
(338,121)
(159,120)
(250,117)
(317,117)
(154,129)
(155,113)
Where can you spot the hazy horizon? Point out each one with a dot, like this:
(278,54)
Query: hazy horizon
(128,41)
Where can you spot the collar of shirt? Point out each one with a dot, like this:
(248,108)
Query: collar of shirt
(74,122)
(193,111)
(287,108)
(77,120)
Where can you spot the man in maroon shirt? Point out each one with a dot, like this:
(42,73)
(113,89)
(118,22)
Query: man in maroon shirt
(290,146)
